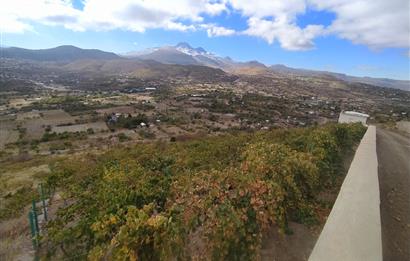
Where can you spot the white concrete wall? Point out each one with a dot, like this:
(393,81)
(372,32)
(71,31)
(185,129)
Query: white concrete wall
(404,126)
(346,118)
(353,229)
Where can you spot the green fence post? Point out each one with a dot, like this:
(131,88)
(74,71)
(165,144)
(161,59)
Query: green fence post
(33,229)
(48,191)
(43,201)
(35,216)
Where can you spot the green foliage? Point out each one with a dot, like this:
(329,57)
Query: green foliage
(130,122)
(217,194)
(122,137)
(14,203)
(58,145)
(51,136)
(146,134)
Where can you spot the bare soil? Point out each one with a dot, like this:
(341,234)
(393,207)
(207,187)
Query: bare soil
(294,247)
(15,242)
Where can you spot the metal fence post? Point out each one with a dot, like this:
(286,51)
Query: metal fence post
(33,229)
(43,201)
(35,216)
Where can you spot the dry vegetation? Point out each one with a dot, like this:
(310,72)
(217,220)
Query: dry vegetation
(210,129)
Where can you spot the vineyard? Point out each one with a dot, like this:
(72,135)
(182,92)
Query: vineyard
(211,198)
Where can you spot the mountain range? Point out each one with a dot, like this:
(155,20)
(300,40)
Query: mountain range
(184,54)
(180,54)
(64,53)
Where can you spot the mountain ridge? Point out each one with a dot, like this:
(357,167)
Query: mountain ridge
(63,53)
(184,54)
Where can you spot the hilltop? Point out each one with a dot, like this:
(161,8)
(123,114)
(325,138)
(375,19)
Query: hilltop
(155,61)
(64,53)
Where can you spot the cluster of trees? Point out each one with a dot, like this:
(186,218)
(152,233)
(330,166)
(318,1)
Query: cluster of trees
(50,136)
(129,121)
(211,198)
(73,105)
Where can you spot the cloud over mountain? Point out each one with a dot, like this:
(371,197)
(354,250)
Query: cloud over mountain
(374,23)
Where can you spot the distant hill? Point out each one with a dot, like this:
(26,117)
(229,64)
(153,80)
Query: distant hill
(382,82)
(65,53)
(185,54)
(146,69)
(170,56)
(150,61)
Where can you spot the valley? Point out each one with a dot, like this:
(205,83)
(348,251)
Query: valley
(91,106)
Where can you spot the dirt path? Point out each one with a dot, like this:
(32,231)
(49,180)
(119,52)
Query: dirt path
(393,151)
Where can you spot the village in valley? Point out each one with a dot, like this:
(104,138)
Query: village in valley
(56,119)
(223,130)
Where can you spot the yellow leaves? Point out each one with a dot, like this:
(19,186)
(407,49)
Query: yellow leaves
(96,254)
(124,253)
(227,189)
(156,221)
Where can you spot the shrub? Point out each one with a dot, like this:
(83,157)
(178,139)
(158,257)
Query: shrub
(146,134)
(122,137)
(15,203)
(148,202)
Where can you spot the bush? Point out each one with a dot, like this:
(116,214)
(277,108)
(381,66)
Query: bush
(213,117)
(148,202)
(130,122)
(14,203)
(56,146)
(122,137)
(146,134)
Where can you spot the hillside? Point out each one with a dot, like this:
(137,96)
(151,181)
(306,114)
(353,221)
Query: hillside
(381,82)
(183,54)
(63,53)
(213,198)
(169,56)
(166,61)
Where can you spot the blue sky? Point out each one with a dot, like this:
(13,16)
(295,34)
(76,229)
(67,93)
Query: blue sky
(314,34)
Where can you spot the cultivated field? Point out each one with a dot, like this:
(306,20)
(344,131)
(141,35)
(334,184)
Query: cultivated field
(8,134)
(96,126)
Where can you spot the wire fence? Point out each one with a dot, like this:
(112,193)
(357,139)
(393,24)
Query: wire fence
(38,214)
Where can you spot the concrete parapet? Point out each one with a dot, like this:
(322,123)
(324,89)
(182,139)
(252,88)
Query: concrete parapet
(353,229)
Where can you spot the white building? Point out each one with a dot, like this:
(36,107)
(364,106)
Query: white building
(352,116)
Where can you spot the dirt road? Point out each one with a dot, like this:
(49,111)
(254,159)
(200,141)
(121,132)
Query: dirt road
(393,152)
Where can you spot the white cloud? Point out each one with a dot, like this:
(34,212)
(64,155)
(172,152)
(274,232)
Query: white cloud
(289,35)
(374,23)
(16,15)
(140,15)
(132,15)
(214,30)
(265,8)
(12,25)
(215,8)
(276,21)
